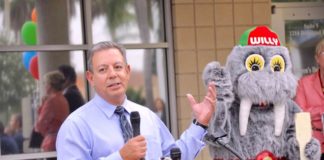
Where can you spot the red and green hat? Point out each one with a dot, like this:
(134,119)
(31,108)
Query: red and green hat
(260,35)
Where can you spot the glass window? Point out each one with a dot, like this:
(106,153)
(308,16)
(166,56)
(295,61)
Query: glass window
(12,84)
(301,39)
(18,86)
(55,31)
(128,21)
(30,22)
(22,80)
(147,84)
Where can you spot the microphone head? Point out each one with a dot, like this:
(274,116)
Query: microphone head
(135,121)
(135,117)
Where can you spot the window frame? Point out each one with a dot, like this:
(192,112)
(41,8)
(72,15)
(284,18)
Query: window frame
(86,22)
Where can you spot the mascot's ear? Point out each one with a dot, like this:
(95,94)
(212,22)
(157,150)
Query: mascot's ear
(214,72)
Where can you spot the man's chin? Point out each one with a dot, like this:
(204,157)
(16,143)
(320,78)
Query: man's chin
(117,94)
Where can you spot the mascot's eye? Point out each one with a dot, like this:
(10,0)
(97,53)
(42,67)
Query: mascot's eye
(254,62)
(277,64)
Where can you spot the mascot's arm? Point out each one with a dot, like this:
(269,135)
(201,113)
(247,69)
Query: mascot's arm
(313,148)
(219,125)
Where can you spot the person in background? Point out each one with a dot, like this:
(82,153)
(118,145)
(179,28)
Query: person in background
(14,129)
(53,110)
(71,91)
(160,109)
(310,95)
(8,144)
(100,129)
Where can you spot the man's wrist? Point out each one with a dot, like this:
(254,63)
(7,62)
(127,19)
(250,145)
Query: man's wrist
(199,124)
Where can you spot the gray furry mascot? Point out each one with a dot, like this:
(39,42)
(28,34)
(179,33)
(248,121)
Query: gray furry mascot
(255,110)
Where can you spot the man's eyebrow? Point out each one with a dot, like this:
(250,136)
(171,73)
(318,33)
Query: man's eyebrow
(105,65)
(119,63)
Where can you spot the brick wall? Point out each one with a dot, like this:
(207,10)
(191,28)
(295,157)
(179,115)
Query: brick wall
(204,31)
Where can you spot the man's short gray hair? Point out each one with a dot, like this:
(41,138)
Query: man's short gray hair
(105,45)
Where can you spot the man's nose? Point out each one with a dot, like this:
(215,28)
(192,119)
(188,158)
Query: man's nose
(111,72)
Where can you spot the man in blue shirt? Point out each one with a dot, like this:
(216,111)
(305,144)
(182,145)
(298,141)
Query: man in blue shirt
(94,132)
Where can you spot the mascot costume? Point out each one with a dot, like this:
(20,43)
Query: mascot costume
(255,111)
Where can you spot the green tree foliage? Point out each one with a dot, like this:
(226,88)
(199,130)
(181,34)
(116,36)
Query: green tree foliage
(15,81)
(117,13)
(20,12)
(135,96)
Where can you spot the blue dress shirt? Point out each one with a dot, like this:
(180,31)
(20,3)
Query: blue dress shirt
(92,132)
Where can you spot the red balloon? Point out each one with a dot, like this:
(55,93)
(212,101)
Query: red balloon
(33,67)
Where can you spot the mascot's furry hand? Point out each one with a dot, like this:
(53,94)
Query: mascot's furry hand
(313,149)
(255,113)
(214,72)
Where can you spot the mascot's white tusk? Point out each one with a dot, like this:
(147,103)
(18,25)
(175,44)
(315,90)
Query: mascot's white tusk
(279,116)
(245,108)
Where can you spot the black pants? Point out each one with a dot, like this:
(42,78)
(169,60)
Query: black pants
(322,157)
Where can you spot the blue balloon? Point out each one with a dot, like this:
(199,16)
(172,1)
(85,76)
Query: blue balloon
(27,56)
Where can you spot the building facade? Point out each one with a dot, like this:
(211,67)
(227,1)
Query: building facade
(168,44)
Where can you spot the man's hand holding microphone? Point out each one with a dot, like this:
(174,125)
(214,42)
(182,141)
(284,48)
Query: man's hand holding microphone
(135,148)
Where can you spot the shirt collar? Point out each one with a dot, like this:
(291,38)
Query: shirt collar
(108,108)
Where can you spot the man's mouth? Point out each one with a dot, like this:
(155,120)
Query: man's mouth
(113,84)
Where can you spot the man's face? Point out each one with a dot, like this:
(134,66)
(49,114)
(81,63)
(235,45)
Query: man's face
(110,75)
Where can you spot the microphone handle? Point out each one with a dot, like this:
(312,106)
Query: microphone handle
(136,121)
(136,131)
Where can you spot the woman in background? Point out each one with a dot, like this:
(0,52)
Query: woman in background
(53,110)
(310,95)
(160,109)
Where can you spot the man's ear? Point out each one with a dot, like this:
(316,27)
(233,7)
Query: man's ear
(89,75)
(128,68)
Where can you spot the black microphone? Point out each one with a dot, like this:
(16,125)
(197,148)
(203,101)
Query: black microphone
(219,140)
(136,121)
(175,153)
